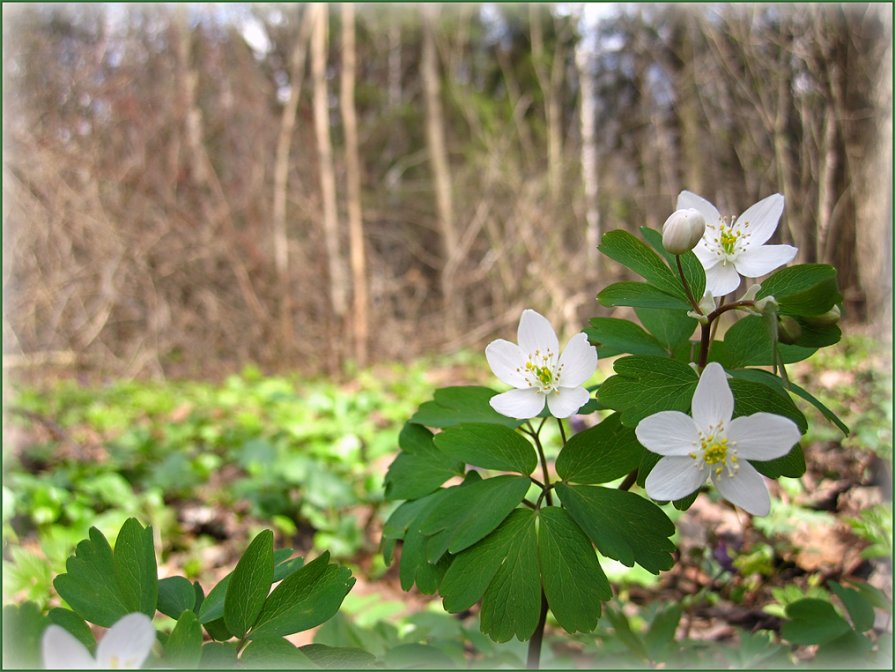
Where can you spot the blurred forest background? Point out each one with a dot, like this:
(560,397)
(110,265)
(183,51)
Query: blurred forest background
(187,189)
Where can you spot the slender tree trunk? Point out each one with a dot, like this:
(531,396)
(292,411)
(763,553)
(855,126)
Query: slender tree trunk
(360,329)
(338,278)
(281,178)
(584,58)
(550,85)
(438,160)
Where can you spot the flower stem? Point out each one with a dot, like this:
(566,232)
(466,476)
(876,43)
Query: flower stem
(562,431)
(630,480)
(546,485)
(534,646)
(704,344)
(680,270)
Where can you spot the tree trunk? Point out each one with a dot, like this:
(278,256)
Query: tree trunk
(550,85)
(584,60)
(360,329)
(338,282)
(281,176)
(438,160)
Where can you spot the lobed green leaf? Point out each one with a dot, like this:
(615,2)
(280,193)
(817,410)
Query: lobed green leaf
(612,336)
(600,454)
(249,584)
(488,447)
(622,525)
(804,289)
(636,255)
(639,295)
(454,405)
(421,467)
(646,385)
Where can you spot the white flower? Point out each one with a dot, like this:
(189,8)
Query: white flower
(125,646)
(683,230)
(538,372)
(734,246)
(710,444)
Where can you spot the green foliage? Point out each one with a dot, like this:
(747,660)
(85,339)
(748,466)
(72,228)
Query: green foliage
(600,454)
(646,385)
(102,586)
(454,405)
(249,585)
(488,447)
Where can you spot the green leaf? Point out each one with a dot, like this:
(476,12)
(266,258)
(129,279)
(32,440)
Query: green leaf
(817,335)
(339,657)
(574,582)
(217,629)
(304,599)
(183,650)
(421,467)
(275,653)
(486,572)
(175,594)
(660,635)
(136,572)
(647,385)
(69,620)
(623,525)
(612,336)
(748,343)
(600,454)
(249,585)
(471,511)
(213,606)
(639,295)
(636,255)
(472,571)
(415,568)
(624,633)
(454,405)
(671,328)
(23,626)
(753,397)
(812,621)
(286,567)
(768,378)
(859,608)
(805,289)
(89,585)
(693,270)
(219,655)
(488,447)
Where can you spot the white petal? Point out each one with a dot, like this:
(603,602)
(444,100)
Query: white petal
(127,643)
(707,256)
(745,488)
(578,361)
(536,333)
(674,477)
(566,400)
(62,651)
(721,279)
(520,404)
(762,436)
(505,358)
(712,400)
(762,219)
(668,433)
(756,261)
(687,199)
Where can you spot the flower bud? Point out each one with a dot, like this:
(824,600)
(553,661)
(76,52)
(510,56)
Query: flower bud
(830,317)
(788,330)
(682,230)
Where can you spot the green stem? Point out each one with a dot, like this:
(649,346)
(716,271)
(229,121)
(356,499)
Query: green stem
(534,646)
(630,480)
(680,270)
(562,431)
(543,459)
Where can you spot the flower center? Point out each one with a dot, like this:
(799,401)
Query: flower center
(717,452)
(541,371)
(728,240)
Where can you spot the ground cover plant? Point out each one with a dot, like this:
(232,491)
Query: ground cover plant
(554,514)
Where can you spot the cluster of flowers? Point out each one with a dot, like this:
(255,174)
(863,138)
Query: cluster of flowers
(709,443)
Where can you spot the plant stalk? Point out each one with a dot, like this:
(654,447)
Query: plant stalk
(534,645)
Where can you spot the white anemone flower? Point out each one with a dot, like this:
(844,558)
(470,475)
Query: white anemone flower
(711,445)
(538,372)
(125,646)
(734,246)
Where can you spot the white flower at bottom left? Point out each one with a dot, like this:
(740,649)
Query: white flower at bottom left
(124,647)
